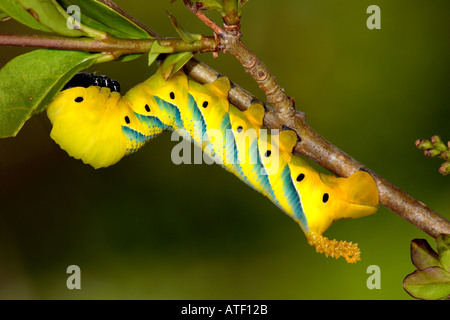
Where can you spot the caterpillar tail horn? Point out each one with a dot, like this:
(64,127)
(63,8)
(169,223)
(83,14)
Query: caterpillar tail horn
(334,248)
(356,196)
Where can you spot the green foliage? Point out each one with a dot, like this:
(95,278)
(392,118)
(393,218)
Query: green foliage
(174,62)
(30,81)
(19,13)
(51,15)
(185,35)
(3,15)
(218,5)
(101,17)
(33,79)
(211,5)
(431,280)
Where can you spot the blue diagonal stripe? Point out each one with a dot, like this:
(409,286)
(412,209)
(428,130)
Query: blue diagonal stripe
(172,111)
(293,197)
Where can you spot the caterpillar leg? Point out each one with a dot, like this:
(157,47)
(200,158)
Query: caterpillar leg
(334,248)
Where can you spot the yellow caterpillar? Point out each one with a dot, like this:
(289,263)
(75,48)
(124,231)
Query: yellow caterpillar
(94,123)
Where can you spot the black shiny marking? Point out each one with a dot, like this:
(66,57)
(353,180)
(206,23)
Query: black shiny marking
(268,153)
(300,177)
(97,81)
(115,86)
(172,95)
(127,120)
(79,99)
(147,108)
(239,129)
(104,81)
(81,79)
(86,80)
(325,197)
(205,104)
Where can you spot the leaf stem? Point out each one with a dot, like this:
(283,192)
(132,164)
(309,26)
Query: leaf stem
(200,15)
(231,18)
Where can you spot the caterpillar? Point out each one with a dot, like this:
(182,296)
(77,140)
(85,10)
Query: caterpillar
(94,123)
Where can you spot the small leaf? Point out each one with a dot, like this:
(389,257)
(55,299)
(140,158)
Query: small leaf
(152,55)
(174,62)
(443,247)
(185,35)
(30,81)
(157,48)
(422,255)
(215,5)
(129,57)
(99,16)
(20,14)
(152,58)
(51,15)
(430,284)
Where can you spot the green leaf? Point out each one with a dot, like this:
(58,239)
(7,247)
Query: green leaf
(152,58)
(30,81)
(443,247)
(185,35)
(128,57)
(51,15)
(3,15)
(101,17)
(430,284)
(174,62)
(20,14)
(152,55)
(422,255)
(215,5)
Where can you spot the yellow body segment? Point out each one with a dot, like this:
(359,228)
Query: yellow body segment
(86,123)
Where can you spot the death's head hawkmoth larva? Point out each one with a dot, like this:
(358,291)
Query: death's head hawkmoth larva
(94,123)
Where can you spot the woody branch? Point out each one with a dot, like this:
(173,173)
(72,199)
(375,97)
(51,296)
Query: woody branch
(312,145)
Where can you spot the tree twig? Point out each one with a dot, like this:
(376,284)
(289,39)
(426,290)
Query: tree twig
(114,46)
(230,42)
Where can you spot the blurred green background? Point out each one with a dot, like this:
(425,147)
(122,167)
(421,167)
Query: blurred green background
(148,229)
